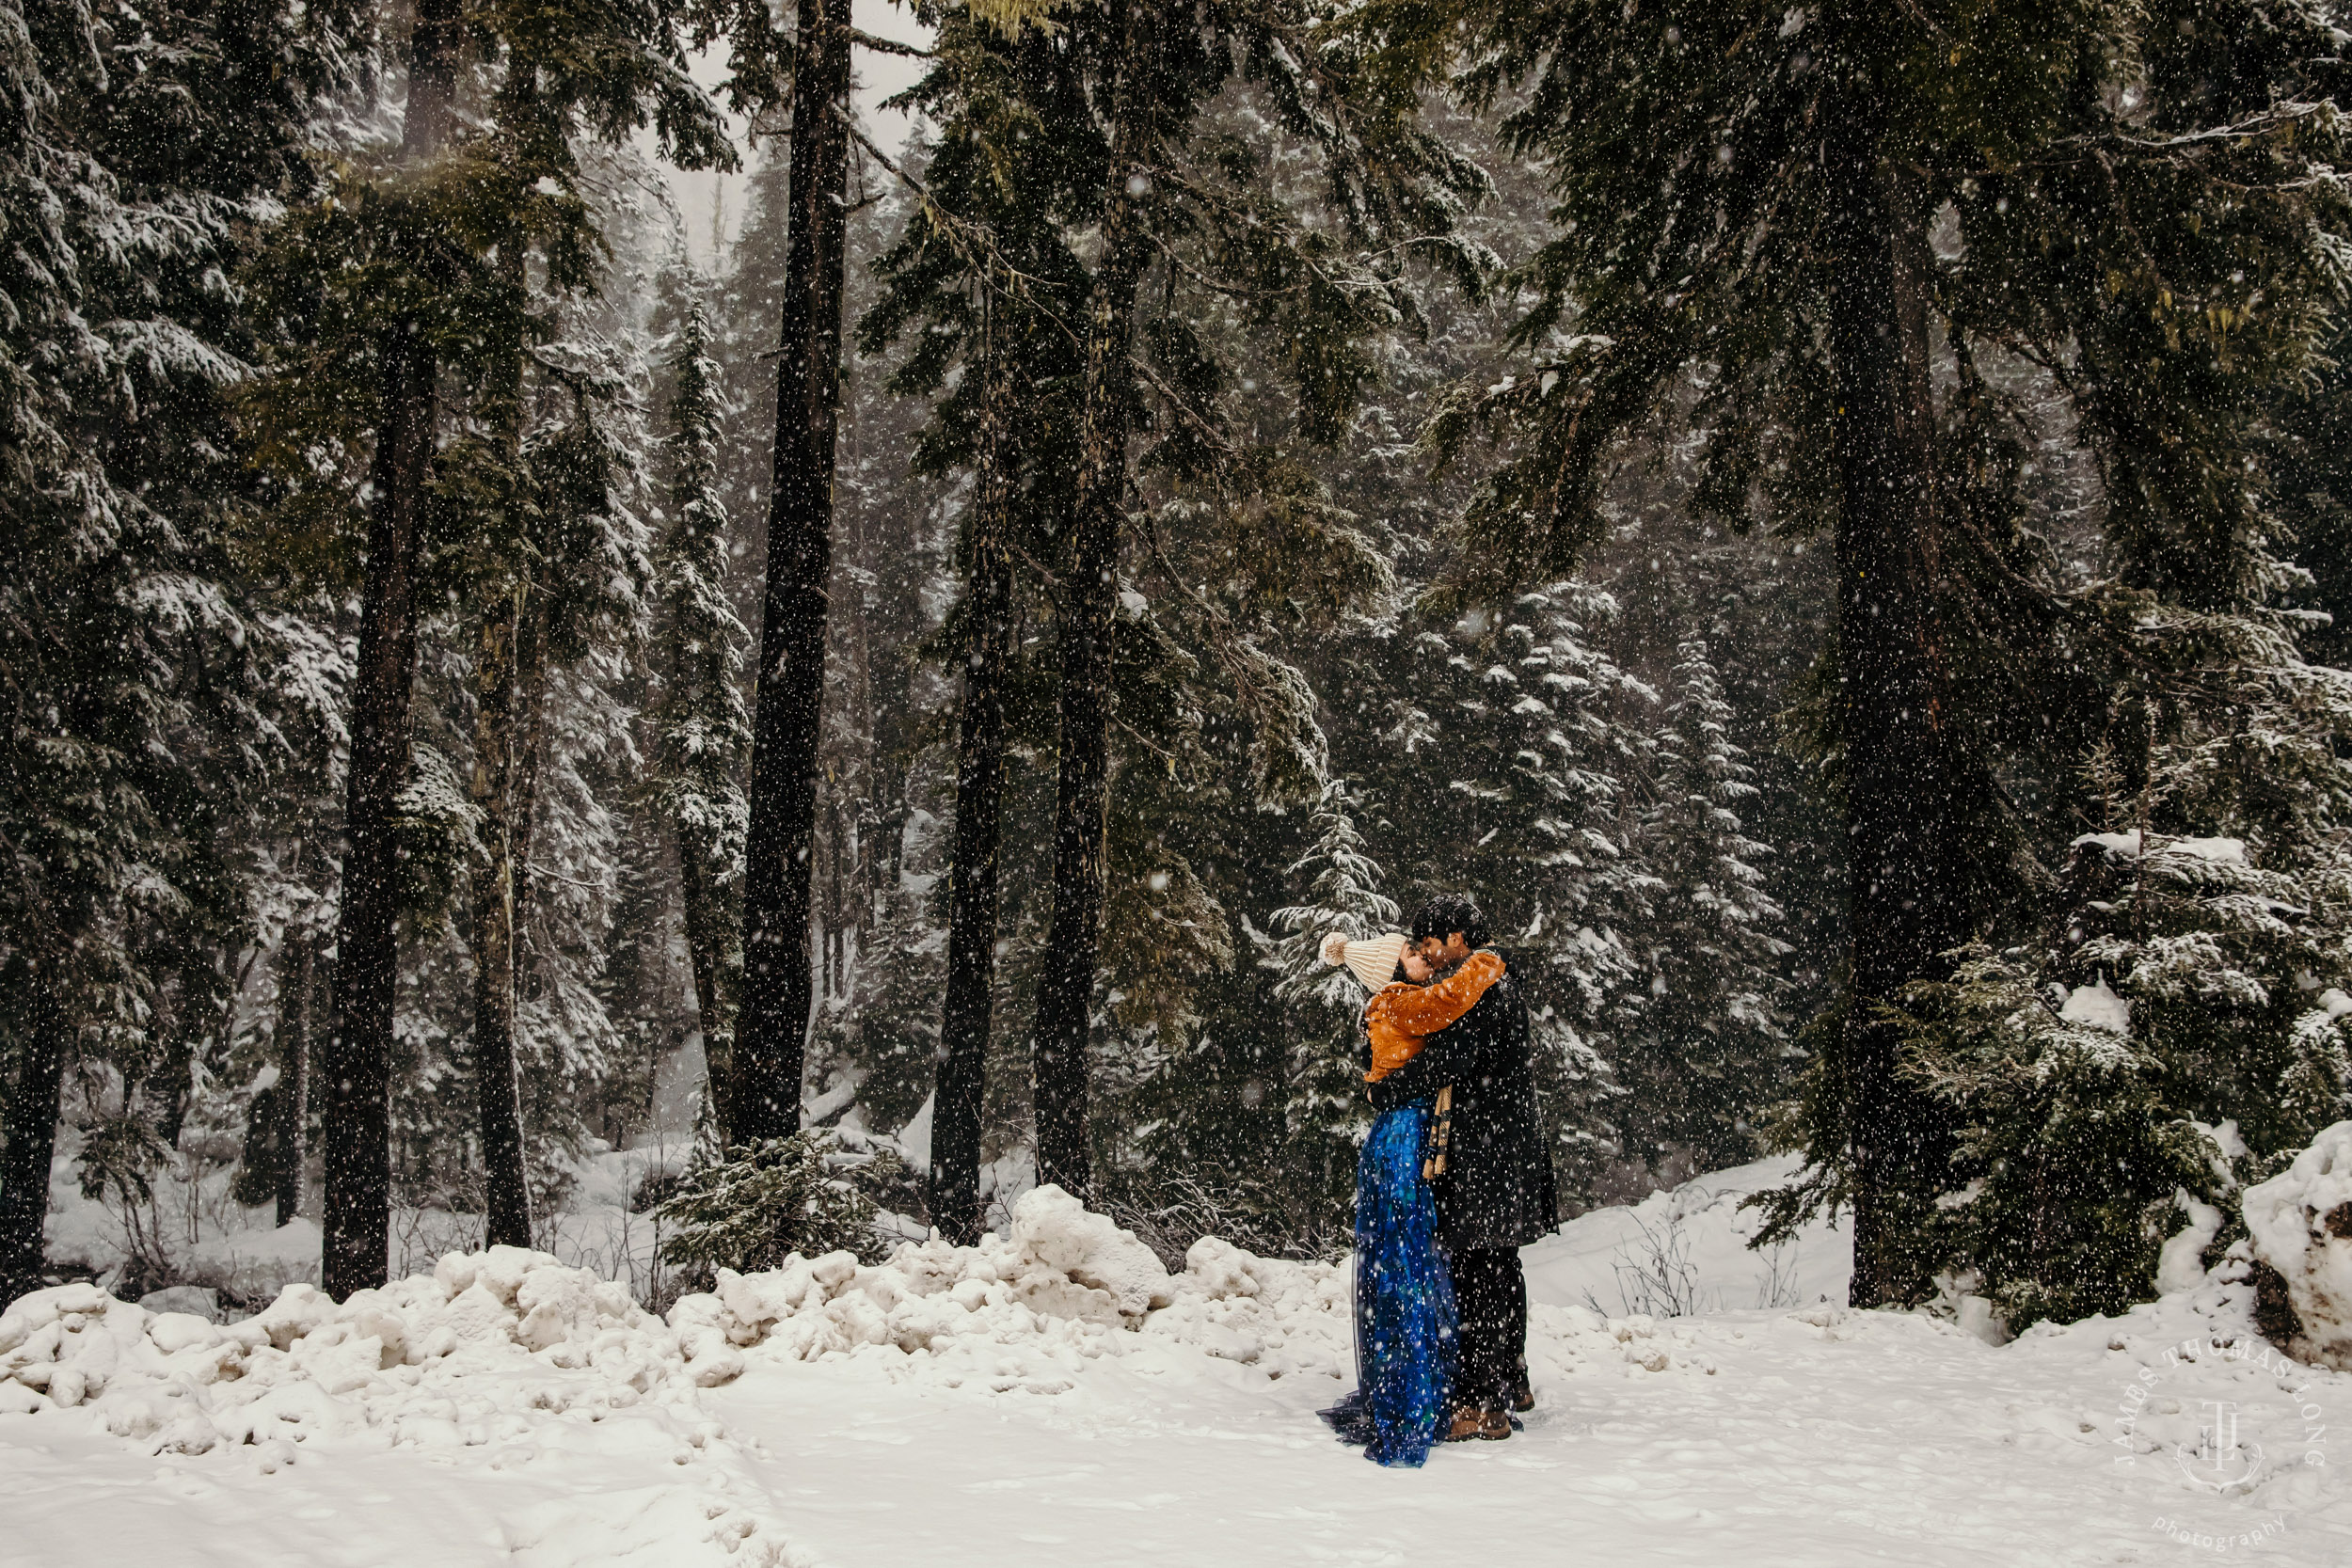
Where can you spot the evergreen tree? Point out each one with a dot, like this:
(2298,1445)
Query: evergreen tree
(703,728)
(1517,739)
(2069,1150)
(567,80)
(419,263)
(952,1189)
(1106,115)
(1777,173)
(1136,70)
(1707,1049)
(1325,1111)
(575,751)
(809,73)
(982,259)
(353,1061)
(136,159)
(2181,986)
(779,846)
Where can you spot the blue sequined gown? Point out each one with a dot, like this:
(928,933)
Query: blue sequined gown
(1405,1318)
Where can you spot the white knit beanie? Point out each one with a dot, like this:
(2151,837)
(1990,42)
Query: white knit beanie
(1373,960)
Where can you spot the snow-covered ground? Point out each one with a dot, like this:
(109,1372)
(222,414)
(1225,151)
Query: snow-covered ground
(1685,1252)
(1052,1399)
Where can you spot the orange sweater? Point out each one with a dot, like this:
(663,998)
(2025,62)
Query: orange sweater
(1400,1017)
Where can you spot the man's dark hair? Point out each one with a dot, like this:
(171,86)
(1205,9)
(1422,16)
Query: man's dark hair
(1447,914)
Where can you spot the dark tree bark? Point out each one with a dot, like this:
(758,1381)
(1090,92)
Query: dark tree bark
(497,722)
(1909,902)
(501,723)
(294,1081)
(961,1084)
(355,1125)
(1082,797)
(771,1031)
(435,41)
(31,1131)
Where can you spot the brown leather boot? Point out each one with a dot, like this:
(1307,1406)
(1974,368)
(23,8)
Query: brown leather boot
(1486,1426)
(1522,1392)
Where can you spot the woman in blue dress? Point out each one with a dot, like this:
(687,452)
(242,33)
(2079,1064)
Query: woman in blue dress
(1403,1297)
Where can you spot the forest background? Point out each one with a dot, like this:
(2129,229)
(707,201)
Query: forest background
(1267,463)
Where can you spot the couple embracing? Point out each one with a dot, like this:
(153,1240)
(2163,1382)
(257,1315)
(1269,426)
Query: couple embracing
(1453,1178)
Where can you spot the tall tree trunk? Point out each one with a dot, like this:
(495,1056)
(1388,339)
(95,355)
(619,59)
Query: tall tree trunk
(356,1127)
(1909,902)
(961,1084)
(294,1082)
(772,1029)
(31,1130)
(499,722)
(1082,795)
(507,1190)
(858,884)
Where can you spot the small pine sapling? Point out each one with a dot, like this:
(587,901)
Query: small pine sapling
(757,1206)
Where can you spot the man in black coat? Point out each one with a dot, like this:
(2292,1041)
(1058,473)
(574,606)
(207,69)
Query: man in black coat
(1497,1193)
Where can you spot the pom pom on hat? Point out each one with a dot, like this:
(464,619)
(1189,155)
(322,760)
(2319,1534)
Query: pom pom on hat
(1335,947)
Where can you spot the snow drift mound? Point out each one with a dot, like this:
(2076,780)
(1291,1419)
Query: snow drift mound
(1029,1310)
(2301,1221)
(506,1354)
(1024,1311)
(510,1350)
(507,1329)
(492,1345)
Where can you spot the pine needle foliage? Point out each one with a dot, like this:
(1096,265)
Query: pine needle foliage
(140,152)
(1708,1045)
(2072,1145)
(757,1206)
(703,727)
(1901,277)
(1340,888)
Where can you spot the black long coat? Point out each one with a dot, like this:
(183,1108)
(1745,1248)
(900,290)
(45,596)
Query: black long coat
(1498,1189)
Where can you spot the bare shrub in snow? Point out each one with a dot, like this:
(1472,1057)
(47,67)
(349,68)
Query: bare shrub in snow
(1171,1212)
(1655,1276)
